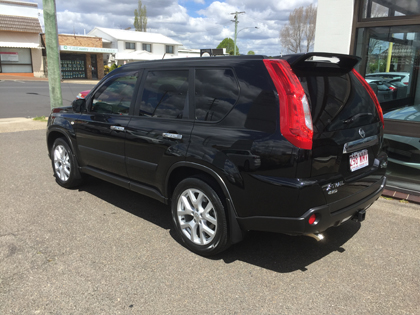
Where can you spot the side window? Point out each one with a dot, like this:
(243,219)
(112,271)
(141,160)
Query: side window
(165,94)
(114,97)
(216,91)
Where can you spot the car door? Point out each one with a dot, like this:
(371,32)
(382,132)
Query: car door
(158,135)
(100,132)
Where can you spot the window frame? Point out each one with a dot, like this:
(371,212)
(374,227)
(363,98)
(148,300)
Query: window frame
(145,44)
(173,49)
(107,81)
(130,43)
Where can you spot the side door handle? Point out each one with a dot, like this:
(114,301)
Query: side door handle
(172,136)
(117,128)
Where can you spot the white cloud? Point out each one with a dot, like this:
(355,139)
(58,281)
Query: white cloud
(192,22)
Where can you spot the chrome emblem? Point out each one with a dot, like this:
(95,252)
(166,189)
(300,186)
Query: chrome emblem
(362,133)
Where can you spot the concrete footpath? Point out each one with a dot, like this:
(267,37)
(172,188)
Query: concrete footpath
(32,79)
(21,124)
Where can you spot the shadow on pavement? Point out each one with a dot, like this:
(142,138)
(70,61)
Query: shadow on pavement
(276,252)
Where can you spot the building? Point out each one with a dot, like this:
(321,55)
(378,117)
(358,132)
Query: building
(81,56)
(386,35)
(20,46)
(135,46)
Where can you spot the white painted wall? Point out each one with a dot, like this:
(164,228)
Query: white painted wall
(18,10)
(158,49)
(333,26)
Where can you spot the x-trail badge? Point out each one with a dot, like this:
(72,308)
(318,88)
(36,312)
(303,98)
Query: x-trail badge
(362,133)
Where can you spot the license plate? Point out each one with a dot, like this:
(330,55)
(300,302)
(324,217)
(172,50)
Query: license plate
(359,160)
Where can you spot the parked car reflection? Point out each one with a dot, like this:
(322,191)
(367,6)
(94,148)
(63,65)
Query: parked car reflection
(404,150)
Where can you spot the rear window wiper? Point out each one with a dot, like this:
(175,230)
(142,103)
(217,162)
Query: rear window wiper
(357,116)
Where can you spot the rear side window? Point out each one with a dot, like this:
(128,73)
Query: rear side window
(114,97)
(216,92)
(165,94)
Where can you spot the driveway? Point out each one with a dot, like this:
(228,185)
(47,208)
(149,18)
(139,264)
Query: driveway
(102,249)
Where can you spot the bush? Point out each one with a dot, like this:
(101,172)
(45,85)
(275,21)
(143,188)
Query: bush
(106,70)
(113,67)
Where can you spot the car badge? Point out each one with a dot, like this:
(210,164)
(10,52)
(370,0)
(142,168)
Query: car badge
(362,133)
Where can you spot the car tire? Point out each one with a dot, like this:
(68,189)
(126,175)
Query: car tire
(199,217)
(64,165)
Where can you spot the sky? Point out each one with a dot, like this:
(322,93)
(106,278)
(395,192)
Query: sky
(194,23)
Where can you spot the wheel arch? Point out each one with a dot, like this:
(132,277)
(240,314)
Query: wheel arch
(182,170)
(54,134)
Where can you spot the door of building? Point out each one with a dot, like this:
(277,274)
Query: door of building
(94,62)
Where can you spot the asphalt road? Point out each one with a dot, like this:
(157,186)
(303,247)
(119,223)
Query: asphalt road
(31,99)
(101,249)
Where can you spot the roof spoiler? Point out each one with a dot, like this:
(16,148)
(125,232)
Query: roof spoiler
(322,62)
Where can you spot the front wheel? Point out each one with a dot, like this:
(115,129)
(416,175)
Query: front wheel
(64,164)
(199,217)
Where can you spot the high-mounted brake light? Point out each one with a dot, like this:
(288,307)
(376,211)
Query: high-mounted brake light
(372,95)
(295,114)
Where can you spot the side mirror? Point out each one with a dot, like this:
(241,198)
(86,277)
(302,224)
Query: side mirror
(79,105)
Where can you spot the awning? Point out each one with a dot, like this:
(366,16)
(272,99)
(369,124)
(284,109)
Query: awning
(20,45)
(88,49)
(20,40)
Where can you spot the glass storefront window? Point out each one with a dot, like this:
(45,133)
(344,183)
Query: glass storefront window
(390,8)
(390,64)
(15,60)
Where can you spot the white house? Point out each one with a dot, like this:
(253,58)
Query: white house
(135,46)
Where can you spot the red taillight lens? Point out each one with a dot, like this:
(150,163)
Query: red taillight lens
(312,219)
(372,95)
(392,88)
(295,114)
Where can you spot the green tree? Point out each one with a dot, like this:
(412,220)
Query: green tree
(140,18)
(250,52)
(229,45)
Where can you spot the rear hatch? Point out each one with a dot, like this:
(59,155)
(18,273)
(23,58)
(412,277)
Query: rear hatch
(347,125)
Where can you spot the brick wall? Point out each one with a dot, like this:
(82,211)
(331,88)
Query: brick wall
(78,40)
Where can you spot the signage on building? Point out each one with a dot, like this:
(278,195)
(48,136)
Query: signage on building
(9,56)
(88,49)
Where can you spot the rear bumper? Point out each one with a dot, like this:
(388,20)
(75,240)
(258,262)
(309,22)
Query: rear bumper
(326,216)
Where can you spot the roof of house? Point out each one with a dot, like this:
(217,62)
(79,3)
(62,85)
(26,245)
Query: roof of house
(143,37)
(22,3)
(20,24)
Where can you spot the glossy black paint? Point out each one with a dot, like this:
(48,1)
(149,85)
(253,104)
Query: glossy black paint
(261,175)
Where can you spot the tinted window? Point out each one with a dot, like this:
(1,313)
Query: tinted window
(114,97)
(216,91)
(165,94)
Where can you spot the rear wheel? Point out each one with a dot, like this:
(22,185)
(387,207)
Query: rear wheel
(64,164)
(199,217)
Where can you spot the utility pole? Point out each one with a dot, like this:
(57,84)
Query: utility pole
(53,54)
(236,29)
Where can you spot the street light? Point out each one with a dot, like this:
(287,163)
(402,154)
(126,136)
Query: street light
(236,34)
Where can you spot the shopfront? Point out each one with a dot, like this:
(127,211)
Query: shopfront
(81,56)
(79,62)
(386,35)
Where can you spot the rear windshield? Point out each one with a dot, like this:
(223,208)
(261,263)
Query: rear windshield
(338,102)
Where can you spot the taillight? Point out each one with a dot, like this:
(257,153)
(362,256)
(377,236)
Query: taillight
(372,95)
(295,114)
(392,88)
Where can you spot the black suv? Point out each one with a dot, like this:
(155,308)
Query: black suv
(290,145)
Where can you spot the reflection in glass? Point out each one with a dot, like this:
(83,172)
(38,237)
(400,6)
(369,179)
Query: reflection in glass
(165,94)
(216,91)
(390,8)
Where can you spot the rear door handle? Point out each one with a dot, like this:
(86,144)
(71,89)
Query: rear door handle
(117,128)
(172,135)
